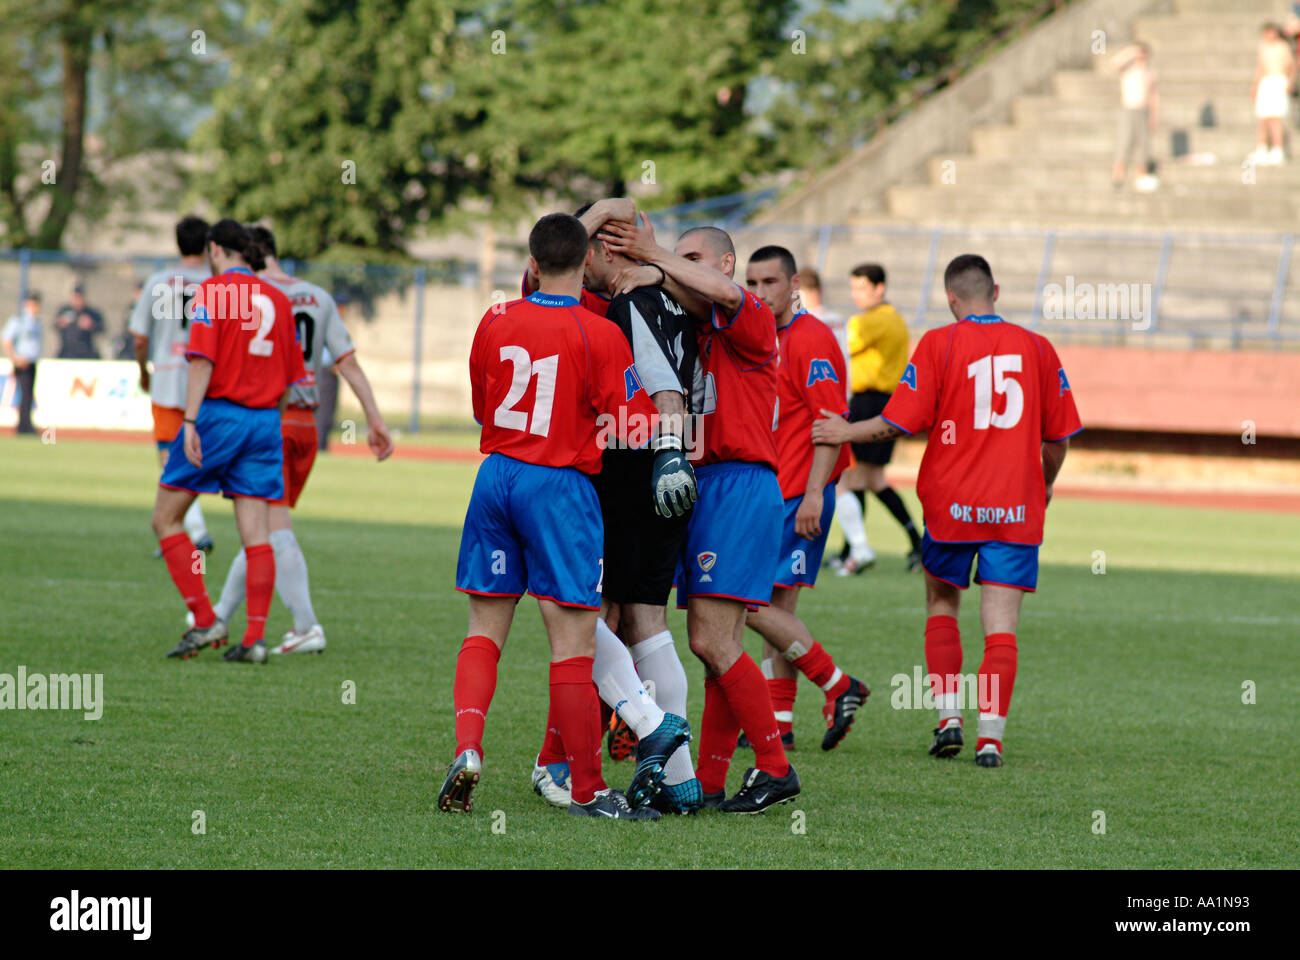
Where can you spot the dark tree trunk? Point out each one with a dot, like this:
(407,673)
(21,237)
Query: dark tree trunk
(75,43)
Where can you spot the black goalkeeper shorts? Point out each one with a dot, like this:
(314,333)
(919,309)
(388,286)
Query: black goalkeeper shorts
(864,406)
(641,547)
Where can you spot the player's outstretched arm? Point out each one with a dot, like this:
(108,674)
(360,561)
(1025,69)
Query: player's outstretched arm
(638,243)
(141,346)
(835,429)
(379,439)
(1054,452)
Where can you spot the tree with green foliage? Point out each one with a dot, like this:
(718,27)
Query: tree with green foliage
(854,70)
(583,99)
(339,122)
(125,71)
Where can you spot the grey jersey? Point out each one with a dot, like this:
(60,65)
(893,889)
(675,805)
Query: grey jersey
(316,317)
(163,315)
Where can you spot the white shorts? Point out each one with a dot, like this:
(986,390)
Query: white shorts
(1271,99)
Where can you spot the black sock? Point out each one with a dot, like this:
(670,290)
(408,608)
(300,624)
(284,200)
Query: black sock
(862,499)
(894,503)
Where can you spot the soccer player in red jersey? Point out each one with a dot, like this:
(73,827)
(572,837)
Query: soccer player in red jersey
(735,529)
(999,410)
(243,355)
(811,377)
(320,327)
(543,371)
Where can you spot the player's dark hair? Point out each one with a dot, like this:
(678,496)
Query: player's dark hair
(264,238)
(192,236)
(969,276)
(231,235)
(719,240)
(810,279)
(773,252)
(559,243)
(872,271)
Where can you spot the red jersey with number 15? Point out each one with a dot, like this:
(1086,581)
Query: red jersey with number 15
(736,393)
(989,393)
(549,377)
(811,380)
(245,326)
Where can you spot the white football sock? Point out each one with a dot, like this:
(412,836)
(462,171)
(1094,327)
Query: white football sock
(232,594)
(658,664)
(291,579)
(619,686)
(991,727)
(193,522)
(849,513)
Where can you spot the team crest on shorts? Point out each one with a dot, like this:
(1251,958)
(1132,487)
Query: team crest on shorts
(706,561)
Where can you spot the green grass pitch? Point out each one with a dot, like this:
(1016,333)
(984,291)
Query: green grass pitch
(1129,698)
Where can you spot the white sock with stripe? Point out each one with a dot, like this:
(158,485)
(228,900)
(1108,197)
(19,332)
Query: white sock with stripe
(619,686)
(661,669)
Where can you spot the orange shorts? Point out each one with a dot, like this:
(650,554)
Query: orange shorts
(167,423)
(298,428)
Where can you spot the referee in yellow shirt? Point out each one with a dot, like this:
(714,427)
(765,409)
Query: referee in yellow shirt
(878,350)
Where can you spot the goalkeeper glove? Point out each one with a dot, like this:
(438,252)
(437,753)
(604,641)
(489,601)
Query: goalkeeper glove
(672,482)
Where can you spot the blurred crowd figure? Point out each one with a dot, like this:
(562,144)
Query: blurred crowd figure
(1139,114)
(78,323)
(1272,89)
(22,345)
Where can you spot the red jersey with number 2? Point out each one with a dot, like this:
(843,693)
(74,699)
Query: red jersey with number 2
(548,377)
(989,393)
(245,326)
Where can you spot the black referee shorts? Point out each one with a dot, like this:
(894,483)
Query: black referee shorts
(864,406)
(641,547)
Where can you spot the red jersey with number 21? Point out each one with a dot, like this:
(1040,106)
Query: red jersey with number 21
(989,393)
(543,371)
(737,396)
(245,326)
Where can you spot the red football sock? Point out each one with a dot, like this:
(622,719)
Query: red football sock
(997,678)
(552,744)
(576,709)
(782,691)
(472,689)
(750,703)
(719,729)
(943,662)
(259,584)
(818,667)
(178,550)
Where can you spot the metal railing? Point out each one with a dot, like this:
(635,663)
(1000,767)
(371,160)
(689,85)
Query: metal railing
(415,323)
